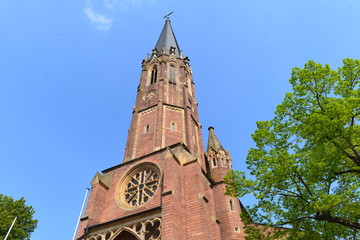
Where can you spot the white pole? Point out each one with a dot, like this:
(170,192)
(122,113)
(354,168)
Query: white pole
(81,211)
(10,228)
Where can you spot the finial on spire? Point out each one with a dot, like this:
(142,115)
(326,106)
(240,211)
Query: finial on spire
(167,16)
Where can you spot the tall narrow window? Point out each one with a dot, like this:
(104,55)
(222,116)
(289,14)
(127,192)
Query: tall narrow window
(173,126)
(231,205)
(153,76)
(147,128)
(214,162)
(223,162)
(172,76)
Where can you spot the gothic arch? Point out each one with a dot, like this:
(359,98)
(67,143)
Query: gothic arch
(125,234)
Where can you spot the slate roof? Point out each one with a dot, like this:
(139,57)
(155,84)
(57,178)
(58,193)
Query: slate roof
(167,39)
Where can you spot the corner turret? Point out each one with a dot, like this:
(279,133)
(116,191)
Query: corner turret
(217,158)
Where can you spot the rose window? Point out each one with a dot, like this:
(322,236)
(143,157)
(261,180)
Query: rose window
(139,186)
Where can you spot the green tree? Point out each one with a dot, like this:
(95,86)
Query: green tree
(306,163)
(24,225)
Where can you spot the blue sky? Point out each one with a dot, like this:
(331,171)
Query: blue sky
(69,72)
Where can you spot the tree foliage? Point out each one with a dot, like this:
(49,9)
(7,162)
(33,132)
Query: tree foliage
(306,163)
(24,225)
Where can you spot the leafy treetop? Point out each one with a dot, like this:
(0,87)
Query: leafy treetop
(306,162)
(24,225)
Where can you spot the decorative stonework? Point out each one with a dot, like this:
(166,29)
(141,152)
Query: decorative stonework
(148,110)
(150,94)
(145,230)
(138,186)
(174,109)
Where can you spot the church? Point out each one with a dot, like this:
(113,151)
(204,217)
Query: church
(168,187)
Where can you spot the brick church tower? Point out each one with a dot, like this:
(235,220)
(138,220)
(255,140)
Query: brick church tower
(167,187)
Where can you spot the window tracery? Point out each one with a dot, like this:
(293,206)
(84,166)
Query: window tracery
(141,187)
(145,230)
(138,186)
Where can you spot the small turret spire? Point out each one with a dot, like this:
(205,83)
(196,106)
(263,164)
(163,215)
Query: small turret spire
(167,40)
(213,141)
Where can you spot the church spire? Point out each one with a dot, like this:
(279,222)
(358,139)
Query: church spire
(167,40)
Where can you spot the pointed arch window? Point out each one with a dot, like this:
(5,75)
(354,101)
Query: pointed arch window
(153,78)
(172,74)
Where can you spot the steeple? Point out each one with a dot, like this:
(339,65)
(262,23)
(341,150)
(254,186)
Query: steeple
(167,40)
(166,187)
(166,109)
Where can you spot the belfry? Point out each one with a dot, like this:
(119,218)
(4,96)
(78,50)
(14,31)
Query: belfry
(167,187)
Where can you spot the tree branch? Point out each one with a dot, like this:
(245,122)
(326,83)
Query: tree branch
(292,194)
(295,220)
(355,158)
(303,182)
(327,217)
(347,171)
(357,155)
(297,186)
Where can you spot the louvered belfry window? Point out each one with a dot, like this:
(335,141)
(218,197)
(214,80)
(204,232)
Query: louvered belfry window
(153,76)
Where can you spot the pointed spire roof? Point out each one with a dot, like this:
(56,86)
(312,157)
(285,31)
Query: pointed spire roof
(213,141)
(167,39)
